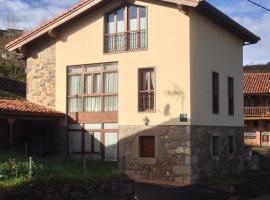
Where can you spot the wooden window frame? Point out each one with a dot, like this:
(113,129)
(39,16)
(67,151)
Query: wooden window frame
(215,94)
(231,96)
(149,92)
(83,94)
(127,28)
(141,147)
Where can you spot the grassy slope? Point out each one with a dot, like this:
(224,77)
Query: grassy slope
(58,170)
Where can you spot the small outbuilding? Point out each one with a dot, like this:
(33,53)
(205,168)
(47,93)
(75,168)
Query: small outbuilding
(28,127)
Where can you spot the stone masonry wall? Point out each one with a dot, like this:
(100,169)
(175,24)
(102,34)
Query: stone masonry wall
(171,164)
(41,73)
(204,163)
(182,153)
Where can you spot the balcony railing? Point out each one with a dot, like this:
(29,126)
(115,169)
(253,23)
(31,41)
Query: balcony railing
(262,111)
(126,41)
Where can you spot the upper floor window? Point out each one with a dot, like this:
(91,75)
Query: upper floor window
(126,29)
(215,92)
(146,90)
(230,96)
(93,88)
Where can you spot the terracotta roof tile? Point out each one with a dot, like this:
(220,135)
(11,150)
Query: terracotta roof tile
(26,107)
(256,83)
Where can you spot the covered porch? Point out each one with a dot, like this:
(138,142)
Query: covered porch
(29,128)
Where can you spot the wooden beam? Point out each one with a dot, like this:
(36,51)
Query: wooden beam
(11,122)
(23,50)
(53,34)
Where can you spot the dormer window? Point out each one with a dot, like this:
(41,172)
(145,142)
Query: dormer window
(126,29)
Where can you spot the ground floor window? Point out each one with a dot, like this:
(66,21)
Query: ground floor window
(95,138)
(215,145)
(147,146)
(230,144)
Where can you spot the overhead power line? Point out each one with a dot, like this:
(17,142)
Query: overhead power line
(259,5)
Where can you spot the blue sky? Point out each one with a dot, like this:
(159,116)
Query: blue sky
(30,13)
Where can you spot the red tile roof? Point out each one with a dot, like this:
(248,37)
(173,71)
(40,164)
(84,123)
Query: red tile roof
(256,83)
(18,106)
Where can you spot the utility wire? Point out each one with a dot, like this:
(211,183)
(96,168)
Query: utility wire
(259,5)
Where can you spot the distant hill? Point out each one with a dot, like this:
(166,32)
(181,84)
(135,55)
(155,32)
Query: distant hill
(12,88)
(260,68)
(12,67)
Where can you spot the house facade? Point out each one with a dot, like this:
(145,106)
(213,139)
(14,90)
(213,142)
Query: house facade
(257,105)
(155,86)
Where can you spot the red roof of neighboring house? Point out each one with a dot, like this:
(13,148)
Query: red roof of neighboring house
(18,106)
(256,83)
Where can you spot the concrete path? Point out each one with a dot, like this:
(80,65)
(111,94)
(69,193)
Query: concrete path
(154,192)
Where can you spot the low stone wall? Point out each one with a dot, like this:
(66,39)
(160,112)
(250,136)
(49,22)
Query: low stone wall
(119,189)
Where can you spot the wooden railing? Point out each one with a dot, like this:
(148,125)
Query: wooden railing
(261,111)
(126,41)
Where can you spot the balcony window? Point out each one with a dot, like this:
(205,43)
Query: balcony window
(126,29)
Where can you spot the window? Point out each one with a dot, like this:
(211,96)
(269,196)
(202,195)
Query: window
(126,29)
(230,145)
(146,90)
(215,145)
(231,95)
(215,88)
(93,88)
(147,146)
(250,135)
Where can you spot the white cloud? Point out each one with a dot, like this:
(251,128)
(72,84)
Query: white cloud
(30,13)
(256,20)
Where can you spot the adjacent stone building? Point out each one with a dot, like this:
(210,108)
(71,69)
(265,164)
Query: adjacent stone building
(155,86)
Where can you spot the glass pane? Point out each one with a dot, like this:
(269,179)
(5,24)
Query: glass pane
(88,141)
(144,80)
(92,104)
(88,84)
(74,85)
(110,83)
(120,20)
(152,80)
(142,18)
(97,142)
(110,125)
(75,69)
(93,68)
(133,22)
(74,104)
(74,127)
(75,141)
(110,66)
(92,126)
(97,81)
(110,103)
(110,23)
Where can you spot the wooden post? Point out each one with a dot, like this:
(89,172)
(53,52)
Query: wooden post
(11,125)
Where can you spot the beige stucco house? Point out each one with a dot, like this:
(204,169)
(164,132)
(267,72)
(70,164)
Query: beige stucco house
(155,85)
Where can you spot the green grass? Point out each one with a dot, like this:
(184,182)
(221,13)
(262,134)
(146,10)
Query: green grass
(10,95)
(59,170)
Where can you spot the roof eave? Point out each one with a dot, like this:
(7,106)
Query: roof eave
(82,7)
(209,11)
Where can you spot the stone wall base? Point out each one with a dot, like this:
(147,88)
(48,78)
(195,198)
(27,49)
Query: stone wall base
(182,153)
